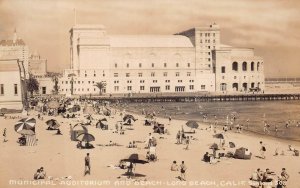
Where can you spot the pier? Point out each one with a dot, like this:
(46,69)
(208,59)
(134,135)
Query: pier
(197,98)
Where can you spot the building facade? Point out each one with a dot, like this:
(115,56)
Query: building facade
(37,65)
(15,49)
(187,61)
(10,85)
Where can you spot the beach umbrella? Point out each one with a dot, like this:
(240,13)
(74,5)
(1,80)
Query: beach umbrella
(80,127)
(219,136)
(85,137)
(53,104)
(149,116)
(52,123)
(102,123)
(192,124)
(106,112)
(128,116)
(159,128)
(214,146)
(135,158)
(25,126)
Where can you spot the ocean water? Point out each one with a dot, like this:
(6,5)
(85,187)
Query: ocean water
(256,112)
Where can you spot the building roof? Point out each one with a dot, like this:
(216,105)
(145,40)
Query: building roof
(150,41)
(19,42)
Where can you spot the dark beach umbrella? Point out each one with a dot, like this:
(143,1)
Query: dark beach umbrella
(214,146)
(135,158)
(159,128)
(85,137)
(219,136)
(192,124)
(80,127)
(25,126)
(52,123)
(128,116)
(102,123)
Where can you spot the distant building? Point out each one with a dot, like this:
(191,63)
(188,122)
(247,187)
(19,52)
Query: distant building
(11,95)
(188,61)
(37,65)
(15,49)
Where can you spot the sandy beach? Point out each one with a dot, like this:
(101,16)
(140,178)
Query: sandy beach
(65,163)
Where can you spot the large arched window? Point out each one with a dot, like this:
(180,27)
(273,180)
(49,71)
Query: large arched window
(235,66)
(244,65)
(245,86)
(252,66)
(258,66)
(235,86)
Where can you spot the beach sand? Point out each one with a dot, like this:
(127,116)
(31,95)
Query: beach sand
(60,157)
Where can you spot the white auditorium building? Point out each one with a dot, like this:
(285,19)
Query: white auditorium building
(189,61)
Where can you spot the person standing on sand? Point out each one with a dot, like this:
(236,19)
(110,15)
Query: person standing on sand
(4,135)
(187,142)
(87,162)
(182,171)
(284,177)
(178,137)
(170,119)
(262,150)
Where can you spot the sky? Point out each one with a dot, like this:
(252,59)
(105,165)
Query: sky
(271,27)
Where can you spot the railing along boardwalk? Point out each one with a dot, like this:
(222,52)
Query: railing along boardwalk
(197,98)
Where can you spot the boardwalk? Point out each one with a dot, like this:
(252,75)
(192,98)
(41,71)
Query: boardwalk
(202,98)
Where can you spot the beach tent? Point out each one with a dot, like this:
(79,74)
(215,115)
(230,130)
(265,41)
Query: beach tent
(76,130)
(242,153)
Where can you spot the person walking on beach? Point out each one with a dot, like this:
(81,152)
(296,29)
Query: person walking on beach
(182,171)
(262,150)
(178,137)
(170,119)
(4,135)
(284,177)
(187,142)
(87,162)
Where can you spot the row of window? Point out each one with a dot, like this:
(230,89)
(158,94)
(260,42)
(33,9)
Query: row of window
(153,81)
(235,77)
(235,66)
(207,41)
(157,88)
(207,34)
(15,87)
(153,65)
(152,74)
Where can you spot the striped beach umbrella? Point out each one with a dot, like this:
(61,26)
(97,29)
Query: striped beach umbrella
(25,126)
(85,137)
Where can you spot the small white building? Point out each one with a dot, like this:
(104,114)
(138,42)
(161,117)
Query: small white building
(10,85)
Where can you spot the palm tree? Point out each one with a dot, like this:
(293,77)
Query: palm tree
(101,86)
(72,80)
(55,87)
